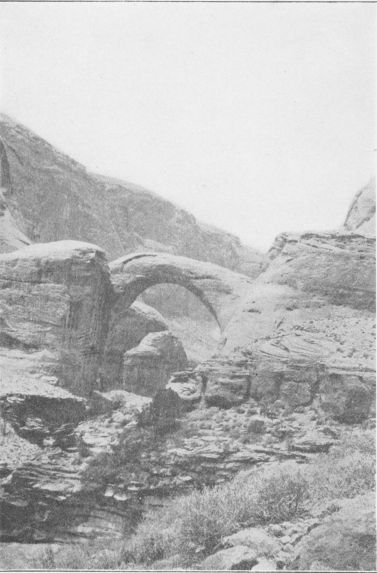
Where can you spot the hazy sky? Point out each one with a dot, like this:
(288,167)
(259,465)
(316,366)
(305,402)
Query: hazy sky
(258,118)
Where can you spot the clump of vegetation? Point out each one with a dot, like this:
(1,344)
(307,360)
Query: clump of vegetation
(193,525)
(348,470)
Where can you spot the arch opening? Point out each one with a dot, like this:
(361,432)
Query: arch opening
(167,328)
(188,317)
(218,291)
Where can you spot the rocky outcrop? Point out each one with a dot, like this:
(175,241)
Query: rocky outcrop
(308,319)
(118,216)
(361,217)
(148,367)
(237,558)
(324,264)
(54,306)
(37,417)
(345,541)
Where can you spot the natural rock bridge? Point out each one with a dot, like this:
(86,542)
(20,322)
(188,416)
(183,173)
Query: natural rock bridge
(63,315)
(219,289)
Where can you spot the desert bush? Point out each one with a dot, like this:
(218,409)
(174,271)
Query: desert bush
(196,523)
(283,495)
(271,494)
(348,470)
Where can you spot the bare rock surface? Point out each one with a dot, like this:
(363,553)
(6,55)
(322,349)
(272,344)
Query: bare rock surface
(11,238)
(239,557)
(54,304)
(361,217)
(255,538)
(308,319)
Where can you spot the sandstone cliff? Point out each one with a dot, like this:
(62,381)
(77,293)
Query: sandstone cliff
(118,216)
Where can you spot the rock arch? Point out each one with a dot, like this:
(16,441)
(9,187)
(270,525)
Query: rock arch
(219,289)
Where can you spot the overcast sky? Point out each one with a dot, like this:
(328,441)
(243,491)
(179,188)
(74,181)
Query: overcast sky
(258,118)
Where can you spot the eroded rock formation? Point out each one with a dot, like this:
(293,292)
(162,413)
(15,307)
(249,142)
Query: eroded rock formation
(54,304)
(220,290)
(148,366)
(296,363)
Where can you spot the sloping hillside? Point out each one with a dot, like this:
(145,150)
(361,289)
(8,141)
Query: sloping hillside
(118,216)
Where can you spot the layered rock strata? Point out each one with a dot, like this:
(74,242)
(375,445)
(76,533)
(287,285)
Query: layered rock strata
(54,308)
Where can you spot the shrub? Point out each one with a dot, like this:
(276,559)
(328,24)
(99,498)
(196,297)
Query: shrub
(348,470)
(196,523)
(283,495)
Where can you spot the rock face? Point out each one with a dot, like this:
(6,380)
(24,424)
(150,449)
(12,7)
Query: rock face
(346,541)
(118,216)
(361,217)
(54,304)
(148,367)
(308,320)
(60,313)
(11,237)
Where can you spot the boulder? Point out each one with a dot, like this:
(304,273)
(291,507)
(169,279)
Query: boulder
(257,425)
(148,367)
(239,557)
(256,539)
(265,565)
(227,380)
(313,442)
(163,412)
(346,398)
(346,541)
(187,386)
(127,328)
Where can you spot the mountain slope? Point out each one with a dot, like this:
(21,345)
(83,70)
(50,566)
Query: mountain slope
(118,216)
